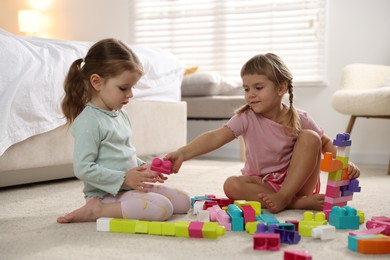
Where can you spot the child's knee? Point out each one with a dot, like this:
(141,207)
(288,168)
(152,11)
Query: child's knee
(231,187)
(310,138)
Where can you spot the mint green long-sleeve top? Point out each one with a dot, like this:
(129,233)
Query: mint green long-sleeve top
(103,152)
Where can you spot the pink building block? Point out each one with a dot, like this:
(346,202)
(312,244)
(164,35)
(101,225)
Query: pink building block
(296,255)
(266,241)
(195,229)
(248,213)
(162,166)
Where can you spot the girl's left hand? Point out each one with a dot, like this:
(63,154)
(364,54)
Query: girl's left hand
(353,170)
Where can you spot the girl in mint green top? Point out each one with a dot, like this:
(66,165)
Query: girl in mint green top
(117,183)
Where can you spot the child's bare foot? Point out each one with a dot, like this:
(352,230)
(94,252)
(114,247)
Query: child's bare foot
(311,202)
(86,213)
(274,202)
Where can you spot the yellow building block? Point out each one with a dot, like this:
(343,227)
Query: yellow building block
(212,230)
(168,229)
(141,227)
(155,228)
(122,225)
(256,205)
(311,221)
(181,229)
(335,176)
(344,160)
(251,227)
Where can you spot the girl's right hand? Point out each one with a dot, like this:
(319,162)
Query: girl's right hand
(139,178)
(176,158)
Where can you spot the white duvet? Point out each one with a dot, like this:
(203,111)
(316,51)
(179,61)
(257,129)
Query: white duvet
(32,72)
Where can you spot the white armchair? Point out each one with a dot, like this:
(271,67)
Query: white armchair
(364,92)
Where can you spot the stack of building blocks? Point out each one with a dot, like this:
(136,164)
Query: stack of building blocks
(311,221)
(340,188)
(344,218)
(192,229)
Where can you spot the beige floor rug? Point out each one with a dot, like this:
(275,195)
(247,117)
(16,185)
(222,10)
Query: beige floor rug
(28,229)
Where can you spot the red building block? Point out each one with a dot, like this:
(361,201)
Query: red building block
(296,255)
(266,241)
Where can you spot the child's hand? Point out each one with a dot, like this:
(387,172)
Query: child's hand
(176,158)
(353,170)
(139,178)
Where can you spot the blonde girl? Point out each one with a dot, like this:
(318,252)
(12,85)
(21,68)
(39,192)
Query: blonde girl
(283,144)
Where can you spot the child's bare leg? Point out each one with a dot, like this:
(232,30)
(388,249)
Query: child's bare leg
(311,202)
(91,211)
(245,187)
(302,177)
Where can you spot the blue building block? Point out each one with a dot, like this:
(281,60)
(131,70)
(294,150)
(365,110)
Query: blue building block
(236,217)
(344,218)
(267,218)
(342,140)
(288,236)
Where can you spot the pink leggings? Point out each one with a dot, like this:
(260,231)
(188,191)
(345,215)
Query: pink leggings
(159,204)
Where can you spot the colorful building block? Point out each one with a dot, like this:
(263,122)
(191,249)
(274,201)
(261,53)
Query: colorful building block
(266,241)
(369,244)
(342,140)
(324,232)
(328,164)
(248,213)
(379,221)
(344,218)
(162,166)
(236,217)
(178,229)
(310,221)
(267,218)
(296,255)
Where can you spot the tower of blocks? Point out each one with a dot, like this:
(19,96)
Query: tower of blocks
(340,188)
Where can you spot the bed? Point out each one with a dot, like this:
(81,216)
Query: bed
(35,143)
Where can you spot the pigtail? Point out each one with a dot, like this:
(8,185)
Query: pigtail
(77,92)
(292,118)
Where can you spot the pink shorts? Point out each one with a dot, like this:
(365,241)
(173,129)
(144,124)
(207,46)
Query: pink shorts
(276,179)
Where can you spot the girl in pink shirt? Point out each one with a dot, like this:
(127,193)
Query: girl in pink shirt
(283,144)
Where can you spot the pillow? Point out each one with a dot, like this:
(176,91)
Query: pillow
(209,83)
(201,84)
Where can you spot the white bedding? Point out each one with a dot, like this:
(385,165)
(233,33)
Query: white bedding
(32,72)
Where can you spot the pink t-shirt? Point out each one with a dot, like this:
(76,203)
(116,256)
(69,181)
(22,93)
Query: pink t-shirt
(268,147)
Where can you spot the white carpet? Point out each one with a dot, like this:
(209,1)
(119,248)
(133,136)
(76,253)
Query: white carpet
(28,228)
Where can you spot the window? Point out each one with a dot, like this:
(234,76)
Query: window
(219,35)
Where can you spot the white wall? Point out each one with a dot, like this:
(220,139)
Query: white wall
(358,32)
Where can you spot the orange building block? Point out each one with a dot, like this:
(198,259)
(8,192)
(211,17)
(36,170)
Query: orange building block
(328,164)
(374,246)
